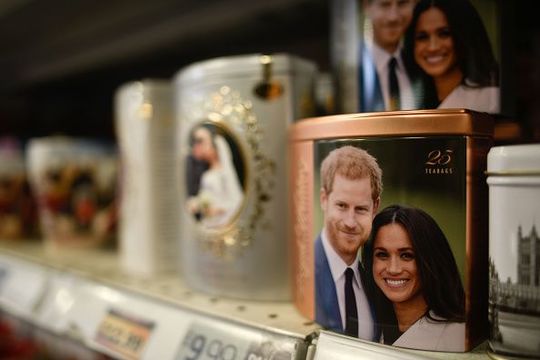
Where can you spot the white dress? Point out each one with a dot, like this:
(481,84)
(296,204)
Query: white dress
(426,334)
(220,189)
(483,99)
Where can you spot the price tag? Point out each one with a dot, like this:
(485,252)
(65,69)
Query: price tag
(203,342)
(124,334)
(15,290)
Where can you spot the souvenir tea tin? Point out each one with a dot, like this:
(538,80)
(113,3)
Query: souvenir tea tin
(382,55)
(148,211)
(514,250)
(389,225)
(232,114)
(74,181)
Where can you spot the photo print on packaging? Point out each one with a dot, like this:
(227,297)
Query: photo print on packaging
(417,254)
(382,68)
(215,176)
(514,270)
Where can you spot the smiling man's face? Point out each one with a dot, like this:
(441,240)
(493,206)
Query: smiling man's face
(348,213)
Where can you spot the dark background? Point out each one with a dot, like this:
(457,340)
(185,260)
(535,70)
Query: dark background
(61,61)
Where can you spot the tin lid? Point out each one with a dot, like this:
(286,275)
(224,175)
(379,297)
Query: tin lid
(144,86)
(522,159)
(244,65)
(395,123)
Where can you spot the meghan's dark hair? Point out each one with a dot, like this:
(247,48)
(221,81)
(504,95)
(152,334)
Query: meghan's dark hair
(471,43)
(437,268)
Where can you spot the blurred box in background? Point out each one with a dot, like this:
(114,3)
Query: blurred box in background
(74,181)
(18,215)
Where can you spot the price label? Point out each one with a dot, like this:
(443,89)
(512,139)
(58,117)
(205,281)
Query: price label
(15,291)
(204,342)
(124,334)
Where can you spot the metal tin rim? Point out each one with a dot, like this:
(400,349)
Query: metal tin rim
(514,173)
(394,123)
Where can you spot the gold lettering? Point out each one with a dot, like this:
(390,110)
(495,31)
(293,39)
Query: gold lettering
(438,171)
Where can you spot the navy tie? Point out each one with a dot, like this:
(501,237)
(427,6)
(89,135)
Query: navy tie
(394,86)
(351,313)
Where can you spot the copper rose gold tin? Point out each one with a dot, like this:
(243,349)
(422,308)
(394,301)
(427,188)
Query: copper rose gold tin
(433,160)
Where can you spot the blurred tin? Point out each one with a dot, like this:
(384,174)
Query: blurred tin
(514,250)
(148,209)
(233,113)
(74,181)
(367,34)
(325,94)
(18,213)
(431,160)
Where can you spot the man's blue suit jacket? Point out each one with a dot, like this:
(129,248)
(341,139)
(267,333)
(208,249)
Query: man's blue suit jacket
(326,302)
(369,89)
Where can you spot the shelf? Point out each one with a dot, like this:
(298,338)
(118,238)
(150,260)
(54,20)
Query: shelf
(85,296)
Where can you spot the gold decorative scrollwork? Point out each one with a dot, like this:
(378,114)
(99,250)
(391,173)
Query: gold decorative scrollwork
(227,108)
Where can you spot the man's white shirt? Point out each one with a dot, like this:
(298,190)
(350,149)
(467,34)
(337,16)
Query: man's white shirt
(337,268)
(381,58)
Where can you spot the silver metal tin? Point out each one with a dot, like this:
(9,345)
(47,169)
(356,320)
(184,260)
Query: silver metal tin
(233,211)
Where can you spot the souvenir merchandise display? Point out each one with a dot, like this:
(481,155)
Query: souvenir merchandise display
(382,55)
(514,250)
(389,225)
(18,214)
(74,181)
(232,115)
(148,211)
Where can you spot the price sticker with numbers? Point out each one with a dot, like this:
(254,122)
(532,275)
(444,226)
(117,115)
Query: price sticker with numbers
(205,342)
(123,333)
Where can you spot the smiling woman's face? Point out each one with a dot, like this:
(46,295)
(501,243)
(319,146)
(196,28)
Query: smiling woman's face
(433,43)
(394,265)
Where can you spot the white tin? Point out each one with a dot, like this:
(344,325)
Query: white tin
(514,240)
(236,245)
(149,198)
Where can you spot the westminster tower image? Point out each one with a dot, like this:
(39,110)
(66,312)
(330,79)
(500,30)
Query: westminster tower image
(514,307)
(529,258)
(525,294)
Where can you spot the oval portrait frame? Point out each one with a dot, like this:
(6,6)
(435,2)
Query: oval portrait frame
(227,110)
(236,170)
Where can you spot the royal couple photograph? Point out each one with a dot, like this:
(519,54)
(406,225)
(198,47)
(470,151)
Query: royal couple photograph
(383,274)
(426,54)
